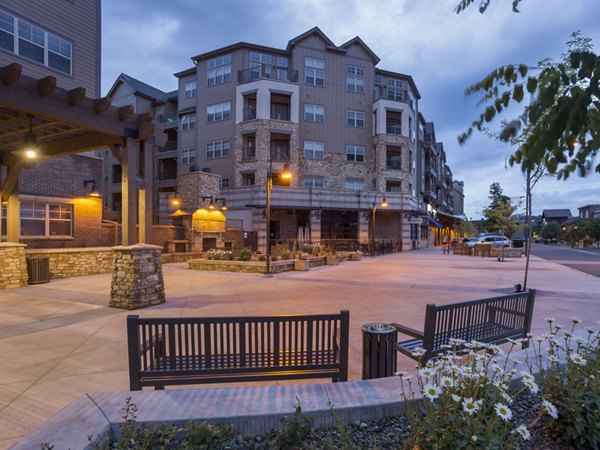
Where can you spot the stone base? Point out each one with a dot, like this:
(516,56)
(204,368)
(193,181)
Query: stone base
(137,279)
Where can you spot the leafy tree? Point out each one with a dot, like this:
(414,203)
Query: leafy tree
(467,228)
(593,231)
(551,230)
(499,214)
(562,122)
(574,233)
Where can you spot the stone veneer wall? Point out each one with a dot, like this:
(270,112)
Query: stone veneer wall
(137,278)
(75,262)
(13,268)
(193,186)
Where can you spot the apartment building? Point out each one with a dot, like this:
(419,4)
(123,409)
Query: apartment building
(347,129)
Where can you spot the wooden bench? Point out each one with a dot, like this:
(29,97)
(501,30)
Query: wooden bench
(178,351)
(492,320)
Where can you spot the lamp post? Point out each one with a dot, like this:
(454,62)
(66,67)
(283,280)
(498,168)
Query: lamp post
(384,204)
(285,175)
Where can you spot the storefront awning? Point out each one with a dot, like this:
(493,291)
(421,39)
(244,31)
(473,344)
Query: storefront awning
(434,222)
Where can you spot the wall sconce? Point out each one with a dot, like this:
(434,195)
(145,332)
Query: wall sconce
(176,201)
(317,214)
(213,202)
(92,192)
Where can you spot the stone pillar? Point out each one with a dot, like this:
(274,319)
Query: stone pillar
(137,279)
(13,267)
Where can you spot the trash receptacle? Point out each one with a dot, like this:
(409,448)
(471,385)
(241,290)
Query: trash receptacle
(379,350)
(38,270)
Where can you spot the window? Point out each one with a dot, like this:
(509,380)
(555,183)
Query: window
(393,158)
(314,149)
(355,153)
(33,43)
(355,79)
(393,186)
(394,89)
(314,113)
(311,181)
(281,71)
(225,183)
(314,71)
(190,89)
(355,184)
(260,64)
(46,219)
(217,149)
(218,70)
(220,111)
(248,179)
(188,122)
(188,156)
(355,118)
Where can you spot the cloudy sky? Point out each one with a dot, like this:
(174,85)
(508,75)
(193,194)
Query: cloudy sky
(444,52)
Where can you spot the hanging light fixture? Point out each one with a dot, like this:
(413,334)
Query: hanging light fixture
(30,145)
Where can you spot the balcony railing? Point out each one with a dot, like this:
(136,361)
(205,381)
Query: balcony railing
(249,153)
(169,147)
(393,128)
(393,165)
(250,113)
(388,93)
(168,118)
(267,71)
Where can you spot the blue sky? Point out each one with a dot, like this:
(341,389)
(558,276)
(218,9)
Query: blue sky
(444,52)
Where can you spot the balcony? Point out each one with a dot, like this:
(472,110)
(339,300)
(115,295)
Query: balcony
(267,72)
(389,93)
(393,162)
(169,146)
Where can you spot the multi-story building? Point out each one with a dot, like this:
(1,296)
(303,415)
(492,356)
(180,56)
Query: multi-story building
(347,129)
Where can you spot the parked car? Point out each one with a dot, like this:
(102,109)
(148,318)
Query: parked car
(494,240)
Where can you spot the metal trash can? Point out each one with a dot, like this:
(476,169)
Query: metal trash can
(379,350)
(38,269)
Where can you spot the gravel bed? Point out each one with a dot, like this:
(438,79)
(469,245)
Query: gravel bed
(389,433)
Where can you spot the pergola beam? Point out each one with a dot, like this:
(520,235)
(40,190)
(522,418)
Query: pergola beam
(76,145)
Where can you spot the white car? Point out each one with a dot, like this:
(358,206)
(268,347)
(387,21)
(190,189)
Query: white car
(494,240)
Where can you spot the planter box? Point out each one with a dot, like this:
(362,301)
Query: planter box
(301,264)
(355,256)
(331,260)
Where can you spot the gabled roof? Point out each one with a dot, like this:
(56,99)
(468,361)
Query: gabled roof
(230,48)
(314,30)
(358,41)
(549,213)
(140,88)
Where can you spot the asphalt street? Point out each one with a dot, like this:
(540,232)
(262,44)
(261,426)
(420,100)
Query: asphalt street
(585,260)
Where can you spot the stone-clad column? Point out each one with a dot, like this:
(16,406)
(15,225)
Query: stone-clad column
(13,267)
(137,278)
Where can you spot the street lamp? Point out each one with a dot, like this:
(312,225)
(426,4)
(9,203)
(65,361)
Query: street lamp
(384,204)
(286,174)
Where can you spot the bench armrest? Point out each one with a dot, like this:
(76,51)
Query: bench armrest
(408,331)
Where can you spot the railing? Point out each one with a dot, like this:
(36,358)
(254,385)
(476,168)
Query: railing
(393,164)
(169,147)
(249,153)
(168,118)
(250,113)
(386,93)
(393,128)
(267,71)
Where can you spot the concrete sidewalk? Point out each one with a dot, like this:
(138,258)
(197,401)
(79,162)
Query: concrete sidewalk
(60,340)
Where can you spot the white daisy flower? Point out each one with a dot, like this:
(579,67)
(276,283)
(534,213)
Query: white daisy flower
(469,406)
(523,432)
(503,411)
(427,372)
(431,392)
(527,376)
(419,351)
(446,382)
(456,398)
(532,385)
(578,359)
(575,320)
(550,409)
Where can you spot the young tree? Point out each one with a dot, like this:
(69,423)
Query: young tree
(499,215)
(551,231)
(563,118)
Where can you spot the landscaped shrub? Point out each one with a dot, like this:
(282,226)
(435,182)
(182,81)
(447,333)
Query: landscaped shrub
(313,249)
(262,258)
(218,254)
(287,255)
(466,400)
(570,378)
(245,254)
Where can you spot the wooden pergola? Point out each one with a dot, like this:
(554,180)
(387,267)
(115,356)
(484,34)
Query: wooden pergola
(66,122)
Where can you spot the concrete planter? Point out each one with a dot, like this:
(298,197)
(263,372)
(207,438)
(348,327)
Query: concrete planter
(332,260)
(355,256)
(301,264)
